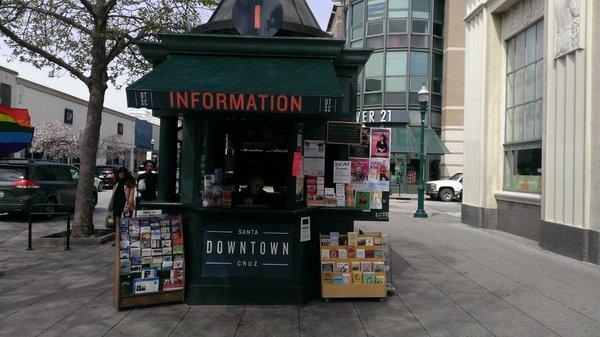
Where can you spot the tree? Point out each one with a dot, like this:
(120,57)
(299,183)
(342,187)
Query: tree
(94,41)
(55,140)
(112,147)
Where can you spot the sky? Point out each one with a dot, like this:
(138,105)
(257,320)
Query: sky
(115,99)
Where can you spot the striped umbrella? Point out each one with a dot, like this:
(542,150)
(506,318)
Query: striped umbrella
(16,131)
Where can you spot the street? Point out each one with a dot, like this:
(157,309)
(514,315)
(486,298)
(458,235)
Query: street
(451,280)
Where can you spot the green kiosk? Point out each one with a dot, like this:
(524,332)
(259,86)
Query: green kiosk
(237,98)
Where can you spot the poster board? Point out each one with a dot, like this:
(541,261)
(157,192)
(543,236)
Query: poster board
(346,133)
(142,276)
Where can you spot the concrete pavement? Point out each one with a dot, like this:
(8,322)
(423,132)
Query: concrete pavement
(451,280)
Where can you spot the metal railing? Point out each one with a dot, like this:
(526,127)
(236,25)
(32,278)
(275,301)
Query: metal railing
(57,210)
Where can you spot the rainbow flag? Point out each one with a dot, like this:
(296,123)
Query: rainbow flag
(16,131)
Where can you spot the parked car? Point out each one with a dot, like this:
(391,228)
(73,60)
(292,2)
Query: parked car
(106,173)
(25,182)
(446,190)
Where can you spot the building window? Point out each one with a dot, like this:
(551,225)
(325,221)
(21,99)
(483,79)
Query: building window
(395,77)
(398,9)
(119,128)
(373,79)
(5,94)
(356,25)
(420,9)
(375,17)
(524,105)
(68,116)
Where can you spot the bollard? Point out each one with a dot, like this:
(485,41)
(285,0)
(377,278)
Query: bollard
(68,241)
(29,232)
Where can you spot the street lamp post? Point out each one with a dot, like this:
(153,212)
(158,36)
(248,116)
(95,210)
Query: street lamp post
(423,99)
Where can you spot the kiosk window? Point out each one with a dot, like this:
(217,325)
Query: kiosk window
(251,167)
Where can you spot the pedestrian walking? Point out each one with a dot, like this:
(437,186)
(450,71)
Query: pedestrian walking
(147,182)
(122,202)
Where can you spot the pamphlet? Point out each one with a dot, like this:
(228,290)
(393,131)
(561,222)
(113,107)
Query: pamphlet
(314,148)
(341,172)
(360,173)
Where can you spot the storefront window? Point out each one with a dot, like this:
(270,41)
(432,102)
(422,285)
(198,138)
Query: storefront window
(524,104)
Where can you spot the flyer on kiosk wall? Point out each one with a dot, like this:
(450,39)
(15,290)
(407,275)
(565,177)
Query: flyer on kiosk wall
(380,142)
(363,200)
(379,174)
(359,168)
(376,200)
(314,167)
(341,172)
(314,148)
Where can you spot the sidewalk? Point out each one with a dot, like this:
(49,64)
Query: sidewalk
(451,280)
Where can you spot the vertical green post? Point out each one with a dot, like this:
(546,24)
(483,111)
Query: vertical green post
(167,160)
(420,213)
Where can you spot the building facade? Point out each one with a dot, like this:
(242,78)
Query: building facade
(46,104)
(416,43)
(146,142)
(532,122)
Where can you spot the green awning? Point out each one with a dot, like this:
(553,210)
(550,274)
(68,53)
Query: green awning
(401,140)
(408,139)
(312,80)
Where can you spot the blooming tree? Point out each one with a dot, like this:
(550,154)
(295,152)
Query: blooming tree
(55,140)
(111,147)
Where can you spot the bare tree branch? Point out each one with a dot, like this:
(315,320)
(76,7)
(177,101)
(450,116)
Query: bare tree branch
(35,49)
(61,18)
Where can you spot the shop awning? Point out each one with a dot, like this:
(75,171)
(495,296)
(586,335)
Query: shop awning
(229,83)
(408,139)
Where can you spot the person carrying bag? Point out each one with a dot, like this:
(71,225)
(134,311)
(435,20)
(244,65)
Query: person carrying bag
(122,202)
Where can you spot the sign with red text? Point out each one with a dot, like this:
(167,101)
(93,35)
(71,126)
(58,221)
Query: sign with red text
(233,102)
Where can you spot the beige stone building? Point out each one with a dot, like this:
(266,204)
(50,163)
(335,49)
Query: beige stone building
(532,121)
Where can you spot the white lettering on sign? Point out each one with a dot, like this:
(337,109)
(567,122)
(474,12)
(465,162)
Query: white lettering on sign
(234,247)
(384,116)
(327,105)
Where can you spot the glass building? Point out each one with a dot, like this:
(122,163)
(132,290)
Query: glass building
(407,36)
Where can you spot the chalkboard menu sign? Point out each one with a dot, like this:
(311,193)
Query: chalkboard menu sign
(343,133)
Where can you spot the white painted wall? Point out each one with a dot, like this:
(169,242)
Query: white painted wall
(46,104)
(475,45)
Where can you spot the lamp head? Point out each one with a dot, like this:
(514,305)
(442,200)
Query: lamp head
(423,94)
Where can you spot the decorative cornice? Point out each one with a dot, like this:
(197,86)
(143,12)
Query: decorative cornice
(520,16)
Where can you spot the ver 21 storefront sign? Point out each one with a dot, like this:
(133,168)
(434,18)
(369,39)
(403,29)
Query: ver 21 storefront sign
(382,116)
(246,251)
(242,102)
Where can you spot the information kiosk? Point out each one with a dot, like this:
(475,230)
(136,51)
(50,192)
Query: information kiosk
(250,110)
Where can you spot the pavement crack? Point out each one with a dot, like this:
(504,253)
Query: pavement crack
(179,321)
(239,322)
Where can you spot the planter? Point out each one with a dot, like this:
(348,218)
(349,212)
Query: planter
(100,237)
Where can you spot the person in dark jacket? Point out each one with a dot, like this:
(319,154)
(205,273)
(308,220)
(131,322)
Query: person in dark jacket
(122,202)
(148,182)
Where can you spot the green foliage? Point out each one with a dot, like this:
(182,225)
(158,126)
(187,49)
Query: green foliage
(61,34)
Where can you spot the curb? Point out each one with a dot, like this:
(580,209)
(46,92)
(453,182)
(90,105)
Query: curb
(79,242)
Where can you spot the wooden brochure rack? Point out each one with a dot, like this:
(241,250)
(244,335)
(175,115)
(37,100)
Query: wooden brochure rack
(353,266)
